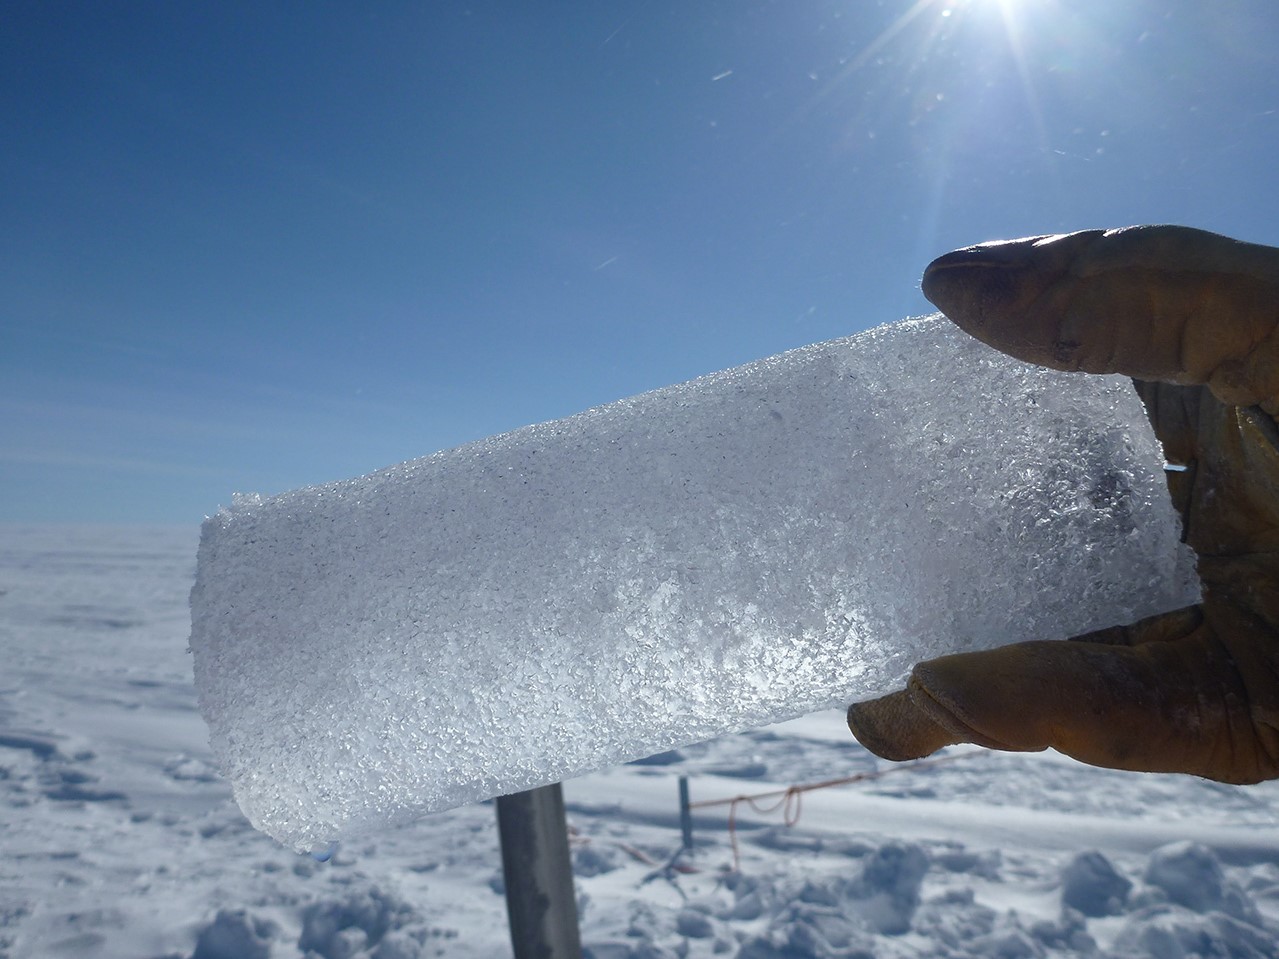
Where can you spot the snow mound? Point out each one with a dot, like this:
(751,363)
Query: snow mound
(1092,886)
(740,549)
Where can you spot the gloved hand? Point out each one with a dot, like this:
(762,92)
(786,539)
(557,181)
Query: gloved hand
(1195,318)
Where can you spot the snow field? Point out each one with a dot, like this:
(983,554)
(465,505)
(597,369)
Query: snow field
(119,840)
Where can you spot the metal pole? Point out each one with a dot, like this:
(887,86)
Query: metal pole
(539,874)
(685,815)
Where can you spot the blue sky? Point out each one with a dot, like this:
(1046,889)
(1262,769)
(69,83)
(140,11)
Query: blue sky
(255,246)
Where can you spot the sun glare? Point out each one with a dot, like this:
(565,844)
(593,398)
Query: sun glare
(952,77)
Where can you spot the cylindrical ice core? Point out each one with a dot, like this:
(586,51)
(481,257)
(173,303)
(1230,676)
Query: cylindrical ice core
(776,538)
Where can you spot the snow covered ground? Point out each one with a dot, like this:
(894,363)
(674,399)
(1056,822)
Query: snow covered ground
(119,839)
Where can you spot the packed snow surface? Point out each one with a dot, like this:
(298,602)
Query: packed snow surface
(737,550)
(119,840)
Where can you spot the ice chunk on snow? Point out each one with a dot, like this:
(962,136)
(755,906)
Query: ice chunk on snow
(758,543)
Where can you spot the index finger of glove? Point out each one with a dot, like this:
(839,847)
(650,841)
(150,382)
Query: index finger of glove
(1162,303)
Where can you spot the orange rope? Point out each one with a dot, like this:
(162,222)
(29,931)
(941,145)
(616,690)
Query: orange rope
(790,800)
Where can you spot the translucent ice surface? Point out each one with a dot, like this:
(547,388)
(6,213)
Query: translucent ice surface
(780,537)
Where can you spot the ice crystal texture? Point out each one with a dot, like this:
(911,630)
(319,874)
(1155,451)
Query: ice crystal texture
(749,546)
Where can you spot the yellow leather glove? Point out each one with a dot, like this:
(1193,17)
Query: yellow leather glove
(1194,317)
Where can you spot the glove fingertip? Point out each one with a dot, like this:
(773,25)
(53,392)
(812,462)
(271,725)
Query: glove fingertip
(893,728)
